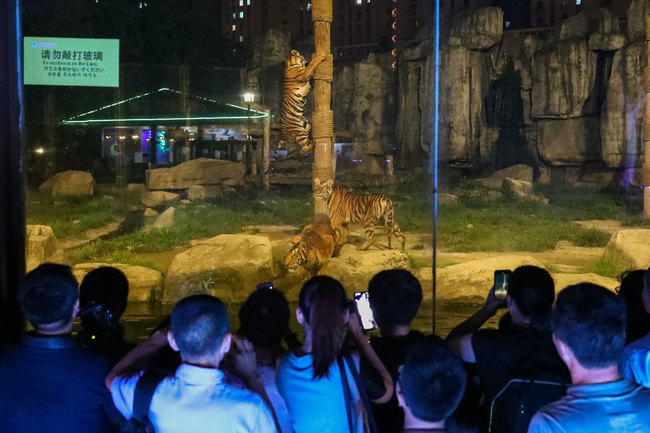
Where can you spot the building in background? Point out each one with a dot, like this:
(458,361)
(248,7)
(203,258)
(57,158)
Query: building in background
(549,13)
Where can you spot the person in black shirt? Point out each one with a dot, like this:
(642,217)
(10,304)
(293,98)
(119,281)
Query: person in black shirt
(395,296)
(47,383)
(522,347)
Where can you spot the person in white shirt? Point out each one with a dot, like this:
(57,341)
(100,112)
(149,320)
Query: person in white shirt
(196,399)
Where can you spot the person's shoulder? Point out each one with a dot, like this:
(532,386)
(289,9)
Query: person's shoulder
(241,397)
(90,361)
(545,422)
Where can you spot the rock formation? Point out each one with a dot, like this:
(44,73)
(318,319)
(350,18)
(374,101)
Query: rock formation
(71,182)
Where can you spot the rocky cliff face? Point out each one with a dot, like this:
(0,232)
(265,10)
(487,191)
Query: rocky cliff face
(564,98)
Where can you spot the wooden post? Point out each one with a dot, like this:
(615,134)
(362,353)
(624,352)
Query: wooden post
(323,118)
(646,132)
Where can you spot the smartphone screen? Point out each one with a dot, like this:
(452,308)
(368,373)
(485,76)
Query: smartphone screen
(501,278)
(365,313)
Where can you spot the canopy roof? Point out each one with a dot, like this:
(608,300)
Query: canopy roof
(163,107)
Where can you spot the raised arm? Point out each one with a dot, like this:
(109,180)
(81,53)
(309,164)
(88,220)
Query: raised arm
(368,352)
(138,358)
(460,338)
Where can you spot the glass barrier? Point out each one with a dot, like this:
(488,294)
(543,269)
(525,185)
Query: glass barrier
(172,140)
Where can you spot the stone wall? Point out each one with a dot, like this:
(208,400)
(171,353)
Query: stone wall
(580,97)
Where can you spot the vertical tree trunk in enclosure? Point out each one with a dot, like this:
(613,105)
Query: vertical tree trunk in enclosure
(646,132)
(323,118)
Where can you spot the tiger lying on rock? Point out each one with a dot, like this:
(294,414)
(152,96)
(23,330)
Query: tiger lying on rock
(364,209)
(312,250)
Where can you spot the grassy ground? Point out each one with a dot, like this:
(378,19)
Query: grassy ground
(475,223)
(73,215)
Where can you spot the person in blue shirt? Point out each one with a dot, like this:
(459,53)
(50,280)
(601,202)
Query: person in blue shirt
(312,379)
(196,399)
(635,361)
(48,383)
(589,334)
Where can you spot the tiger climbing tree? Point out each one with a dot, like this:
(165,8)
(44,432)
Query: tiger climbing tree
(323,118)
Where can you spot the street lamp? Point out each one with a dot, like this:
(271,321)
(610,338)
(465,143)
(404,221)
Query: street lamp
(249,98)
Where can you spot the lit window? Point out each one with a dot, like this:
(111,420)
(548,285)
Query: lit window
(234,27)
(507,24)
(234,15)
(241,2)
(309,6)
(358,2)
(241,14)
(367,1)
(248,2)
(578,2)
(241,39)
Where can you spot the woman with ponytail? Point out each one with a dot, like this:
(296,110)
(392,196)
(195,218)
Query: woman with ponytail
(311,379)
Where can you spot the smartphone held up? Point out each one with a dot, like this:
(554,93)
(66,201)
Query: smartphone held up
(363,308)
(501,278)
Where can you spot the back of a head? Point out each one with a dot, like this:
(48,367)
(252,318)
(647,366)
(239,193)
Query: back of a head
(631,290)
(47,295)
(395,296)
(590,320)
(103,296)
(533,291)
(323,303)
(199,324)
(432,380)
(107,286)
(264,318)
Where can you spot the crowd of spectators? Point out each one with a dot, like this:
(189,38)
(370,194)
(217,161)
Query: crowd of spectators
(578,363)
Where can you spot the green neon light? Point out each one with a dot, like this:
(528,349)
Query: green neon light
(70,121)
(160,119)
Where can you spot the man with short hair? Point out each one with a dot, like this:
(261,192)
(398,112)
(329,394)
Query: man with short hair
(635,361)
(430,386)
(589,334)
(47,383)
(395,296)
(196,399)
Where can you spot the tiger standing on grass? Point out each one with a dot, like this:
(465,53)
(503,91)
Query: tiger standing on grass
(311,251)
(364,209)
(296,129)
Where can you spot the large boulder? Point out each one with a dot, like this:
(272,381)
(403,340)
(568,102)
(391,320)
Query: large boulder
(479,29)
(144,283)
(622,115)
(569,141)
(520,188)
(226,266)
(629,249)
(518,172)
(158,198)
(201,192)
(471,281)
(636,16)
(41,246)
(202,171)
(354,268)
(71,182)
(166,219)
(564,75)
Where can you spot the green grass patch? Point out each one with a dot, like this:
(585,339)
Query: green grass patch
(607,268)
(203,220)
(73,215)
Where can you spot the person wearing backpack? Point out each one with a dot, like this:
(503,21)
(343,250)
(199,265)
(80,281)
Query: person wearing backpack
(196,398)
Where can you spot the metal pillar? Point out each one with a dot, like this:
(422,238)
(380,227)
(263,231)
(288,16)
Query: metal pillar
(12,211)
